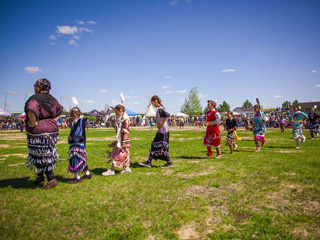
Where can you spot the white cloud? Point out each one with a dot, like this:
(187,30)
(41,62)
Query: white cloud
(188,0)
(32,69)
(173,3)
(278,96)
(91,22)
(114,101)
(52,37)
(80,22)
(76,37)
(314,71)
(166,87)
(228,70)
(103,90)
(131,91)
(84,29)
(73,42)
(203,96)
(318,85)
(53,43)
(168,77)
(89,101)
(168,92)
(181,91)
(67,30)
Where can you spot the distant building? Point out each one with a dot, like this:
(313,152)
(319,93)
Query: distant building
(308,105)
(244,111)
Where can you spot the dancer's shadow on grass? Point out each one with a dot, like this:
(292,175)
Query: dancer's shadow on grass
(194,157)
(98,171)
(24,182)
(290,147)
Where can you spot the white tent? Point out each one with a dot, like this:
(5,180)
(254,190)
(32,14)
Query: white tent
(4,113)
(180,114)
(150,112)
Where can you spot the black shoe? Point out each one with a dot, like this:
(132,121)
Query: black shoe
(167,165)
(145,164)
(39,179)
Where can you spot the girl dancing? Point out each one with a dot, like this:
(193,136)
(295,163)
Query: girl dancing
(259,127)
(160,144)
(297,125)
(212,137)
(120,153)
(231,126)
(77,150)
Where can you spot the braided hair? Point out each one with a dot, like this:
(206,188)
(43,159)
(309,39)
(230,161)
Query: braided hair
(154,98)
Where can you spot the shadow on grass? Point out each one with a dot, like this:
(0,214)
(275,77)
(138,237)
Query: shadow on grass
(98,171)
(64,180)
(193,157)
(290,147)
(18,183)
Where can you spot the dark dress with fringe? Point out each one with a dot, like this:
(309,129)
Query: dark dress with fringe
(160,144)
(77,150)
(42,138)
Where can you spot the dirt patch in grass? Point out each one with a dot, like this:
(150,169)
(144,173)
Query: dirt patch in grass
(15,155)
(16,164)
(188,232)
(291,174)
(187,139)
(10,137)
(287,151)
(4,145)
(168,172)
(194,174)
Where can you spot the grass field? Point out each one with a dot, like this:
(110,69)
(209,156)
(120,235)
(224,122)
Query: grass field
(274,194)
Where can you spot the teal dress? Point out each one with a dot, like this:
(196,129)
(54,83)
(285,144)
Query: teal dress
(297,124)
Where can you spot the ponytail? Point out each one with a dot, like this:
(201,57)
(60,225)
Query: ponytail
(154,98)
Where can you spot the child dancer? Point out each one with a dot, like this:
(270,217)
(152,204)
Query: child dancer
(313,119)
(160,144)
(120,153)
(297,125)
(212,137)
(231,126)
(259,127)
(282,122)
(77,150)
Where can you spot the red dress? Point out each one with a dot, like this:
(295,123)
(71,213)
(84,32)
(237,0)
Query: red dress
(212,137)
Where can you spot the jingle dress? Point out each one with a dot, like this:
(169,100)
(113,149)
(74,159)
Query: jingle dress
(213,136)
(297,124)
(259,131)
(42,138)
(77,150)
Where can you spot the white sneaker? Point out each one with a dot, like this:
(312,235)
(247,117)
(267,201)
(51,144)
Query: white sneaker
(312,138)
(304,139)
(297,147)
(109,172)
(126,170)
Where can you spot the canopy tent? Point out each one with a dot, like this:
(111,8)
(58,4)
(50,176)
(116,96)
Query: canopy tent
(22,115)
(94,113)
(130,113)
(150,112)
(4,113)
(180,114)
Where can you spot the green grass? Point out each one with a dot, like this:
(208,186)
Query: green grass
(274,194)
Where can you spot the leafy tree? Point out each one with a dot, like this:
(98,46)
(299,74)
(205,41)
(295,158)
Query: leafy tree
(247,104)
(192,104)
(224,107)
(286,105)
(295,102)
(205,109)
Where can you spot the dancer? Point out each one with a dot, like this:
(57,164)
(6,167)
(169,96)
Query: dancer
(212,121)
(77,150)
(160,144)
(259,127)
(120,153)
(297,125)
(42,113)
(231,126)
(282,122)
(313,123)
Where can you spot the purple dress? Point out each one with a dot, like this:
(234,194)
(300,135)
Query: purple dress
(160,144)
(42,138)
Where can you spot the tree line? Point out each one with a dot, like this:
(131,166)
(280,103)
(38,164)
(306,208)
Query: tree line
(192,105)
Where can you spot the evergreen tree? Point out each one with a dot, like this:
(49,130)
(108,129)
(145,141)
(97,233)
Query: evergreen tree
(224,107)
(295,102)
(286,105)
(192,104)
(247,104)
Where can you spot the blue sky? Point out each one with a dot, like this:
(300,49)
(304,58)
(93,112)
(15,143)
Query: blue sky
(230,50)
